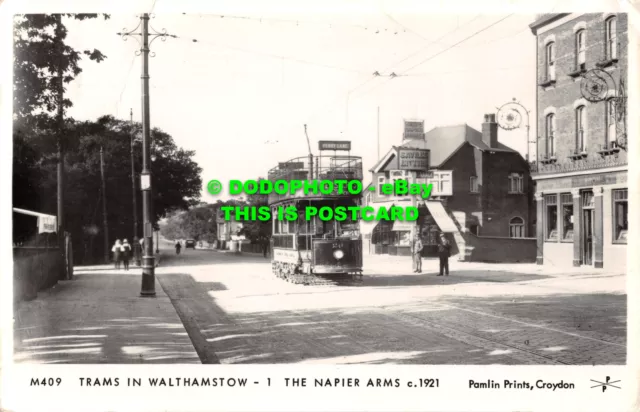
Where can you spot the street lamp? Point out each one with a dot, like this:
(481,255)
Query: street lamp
(148,259)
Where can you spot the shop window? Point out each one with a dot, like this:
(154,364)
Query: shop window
(620,215)
(516,227)
(567,217)
(473,184)
(551,217)
(516,183)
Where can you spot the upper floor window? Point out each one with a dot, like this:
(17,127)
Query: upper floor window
(611,41)
(396,175)
(516,183)
(581,133)
(473,184)
(441,182)
(550,59)
(516,227)
(610,119)
(381,180)
(581,49)
(550,132)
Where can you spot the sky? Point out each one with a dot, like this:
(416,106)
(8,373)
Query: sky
(240,95)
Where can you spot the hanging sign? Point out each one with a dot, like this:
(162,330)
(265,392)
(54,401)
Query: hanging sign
(47,224)
(334,145)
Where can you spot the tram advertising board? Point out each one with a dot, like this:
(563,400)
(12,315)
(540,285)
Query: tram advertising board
(413,159)
(334,145)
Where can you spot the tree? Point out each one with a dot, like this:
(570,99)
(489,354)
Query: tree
(255,229)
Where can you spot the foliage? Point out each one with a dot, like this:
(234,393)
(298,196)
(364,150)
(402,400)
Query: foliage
(41,56)
(254,230)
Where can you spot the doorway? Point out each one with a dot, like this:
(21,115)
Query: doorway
(588,216)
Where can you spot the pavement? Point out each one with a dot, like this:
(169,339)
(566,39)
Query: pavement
(99,317)
(237,312)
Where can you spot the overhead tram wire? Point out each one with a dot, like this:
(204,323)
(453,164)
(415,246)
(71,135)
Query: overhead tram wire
(124,86)
(271,56)
(437,54)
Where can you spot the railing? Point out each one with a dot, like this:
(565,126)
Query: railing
(577,165)
(330,168)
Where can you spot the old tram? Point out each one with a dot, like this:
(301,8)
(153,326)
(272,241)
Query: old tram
(314,252)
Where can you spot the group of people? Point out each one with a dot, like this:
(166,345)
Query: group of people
(122,252)
(444,252)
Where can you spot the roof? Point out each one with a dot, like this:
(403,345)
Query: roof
(544,19)
(443,142)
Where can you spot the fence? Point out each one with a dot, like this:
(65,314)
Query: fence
(35,268)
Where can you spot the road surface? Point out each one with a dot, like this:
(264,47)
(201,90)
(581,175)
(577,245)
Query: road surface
(236,312)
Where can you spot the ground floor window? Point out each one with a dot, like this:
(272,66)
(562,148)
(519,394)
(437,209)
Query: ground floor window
(567,217)
(516,227)
(551,217)
(620,215)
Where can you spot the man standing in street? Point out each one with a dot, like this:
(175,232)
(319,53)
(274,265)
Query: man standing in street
(416,250)
(444,251)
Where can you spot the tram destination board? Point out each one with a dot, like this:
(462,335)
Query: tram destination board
(334,145)
(413,159)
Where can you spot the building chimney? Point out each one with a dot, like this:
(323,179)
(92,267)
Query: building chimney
(490,131)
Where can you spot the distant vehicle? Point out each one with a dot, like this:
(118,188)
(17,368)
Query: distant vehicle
(190,244)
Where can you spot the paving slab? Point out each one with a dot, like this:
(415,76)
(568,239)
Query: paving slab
(99,317)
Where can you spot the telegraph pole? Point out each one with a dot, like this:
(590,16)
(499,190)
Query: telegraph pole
(133,183)
(104,209)
(60,165)
(148,259)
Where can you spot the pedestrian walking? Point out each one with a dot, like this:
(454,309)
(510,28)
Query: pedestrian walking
(416,250)
(117,253)
(126,253)
(178,247)
(444,251)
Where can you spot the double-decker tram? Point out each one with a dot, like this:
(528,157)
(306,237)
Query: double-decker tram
(310,250)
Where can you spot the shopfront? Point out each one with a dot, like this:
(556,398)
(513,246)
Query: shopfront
(584,220)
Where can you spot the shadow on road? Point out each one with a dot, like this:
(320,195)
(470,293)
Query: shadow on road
(436,332)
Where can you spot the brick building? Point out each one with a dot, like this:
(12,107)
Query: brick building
(482,186)
(581,170)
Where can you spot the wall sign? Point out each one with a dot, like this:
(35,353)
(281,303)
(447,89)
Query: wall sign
(413,159)
(413,129)
(334,145)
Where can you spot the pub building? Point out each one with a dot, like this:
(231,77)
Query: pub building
(581,170)
(481,188)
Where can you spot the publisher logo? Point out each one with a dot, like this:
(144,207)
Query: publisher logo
(607,383)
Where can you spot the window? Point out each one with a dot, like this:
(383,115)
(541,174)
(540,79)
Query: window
(473,184)
(441,182)
(473,229)
(550,61)
(581,123)
(396,175)
(516,227)
(516,183)
(552,217)
(550,131)
(580,50)
(620,215)
(567,217)
(610,118)
(611,44)
(381,181)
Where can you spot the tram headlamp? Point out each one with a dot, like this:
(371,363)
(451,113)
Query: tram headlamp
(338,254)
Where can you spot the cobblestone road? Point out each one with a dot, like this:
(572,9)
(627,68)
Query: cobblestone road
(236,312)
